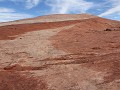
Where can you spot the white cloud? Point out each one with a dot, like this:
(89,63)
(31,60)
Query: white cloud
(4,17)
(6,10)
(28,3)
(69,6)
(32,3)
(7,14)
(115,8)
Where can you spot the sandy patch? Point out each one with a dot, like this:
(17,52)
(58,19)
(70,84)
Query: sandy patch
(29,48)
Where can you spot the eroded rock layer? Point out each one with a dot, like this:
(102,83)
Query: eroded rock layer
(60,54)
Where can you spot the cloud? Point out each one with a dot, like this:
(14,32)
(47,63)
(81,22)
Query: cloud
(28,3)
(32,3)
(6,10)
(69,6)
(59,6)
(7,14)
(115,8)
(4,17)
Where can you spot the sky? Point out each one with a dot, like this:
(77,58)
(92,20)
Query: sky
(19,9)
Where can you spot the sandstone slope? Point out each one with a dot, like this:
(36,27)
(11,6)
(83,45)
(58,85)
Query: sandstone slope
(50,18)
(60,52)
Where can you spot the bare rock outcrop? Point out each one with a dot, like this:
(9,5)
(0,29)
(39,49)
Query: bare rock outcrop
(60,52)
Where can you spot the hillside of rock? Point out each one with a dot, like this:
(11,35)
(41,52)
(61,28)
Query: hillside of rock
(60,52)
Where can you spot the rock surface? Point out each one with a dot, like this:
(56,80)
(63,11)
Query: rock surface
(60,52)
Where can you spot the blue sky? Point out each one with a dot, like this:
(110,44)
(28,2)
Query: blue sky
(19,9)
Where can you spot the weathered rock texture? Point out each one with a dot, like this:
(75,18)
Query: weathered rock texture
(60,52)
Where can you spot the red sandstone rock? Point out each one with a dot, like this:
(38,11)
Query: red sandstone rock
(60,52)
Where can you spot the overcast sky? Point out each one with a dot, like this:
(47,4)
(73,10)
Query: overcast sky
(19,9)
